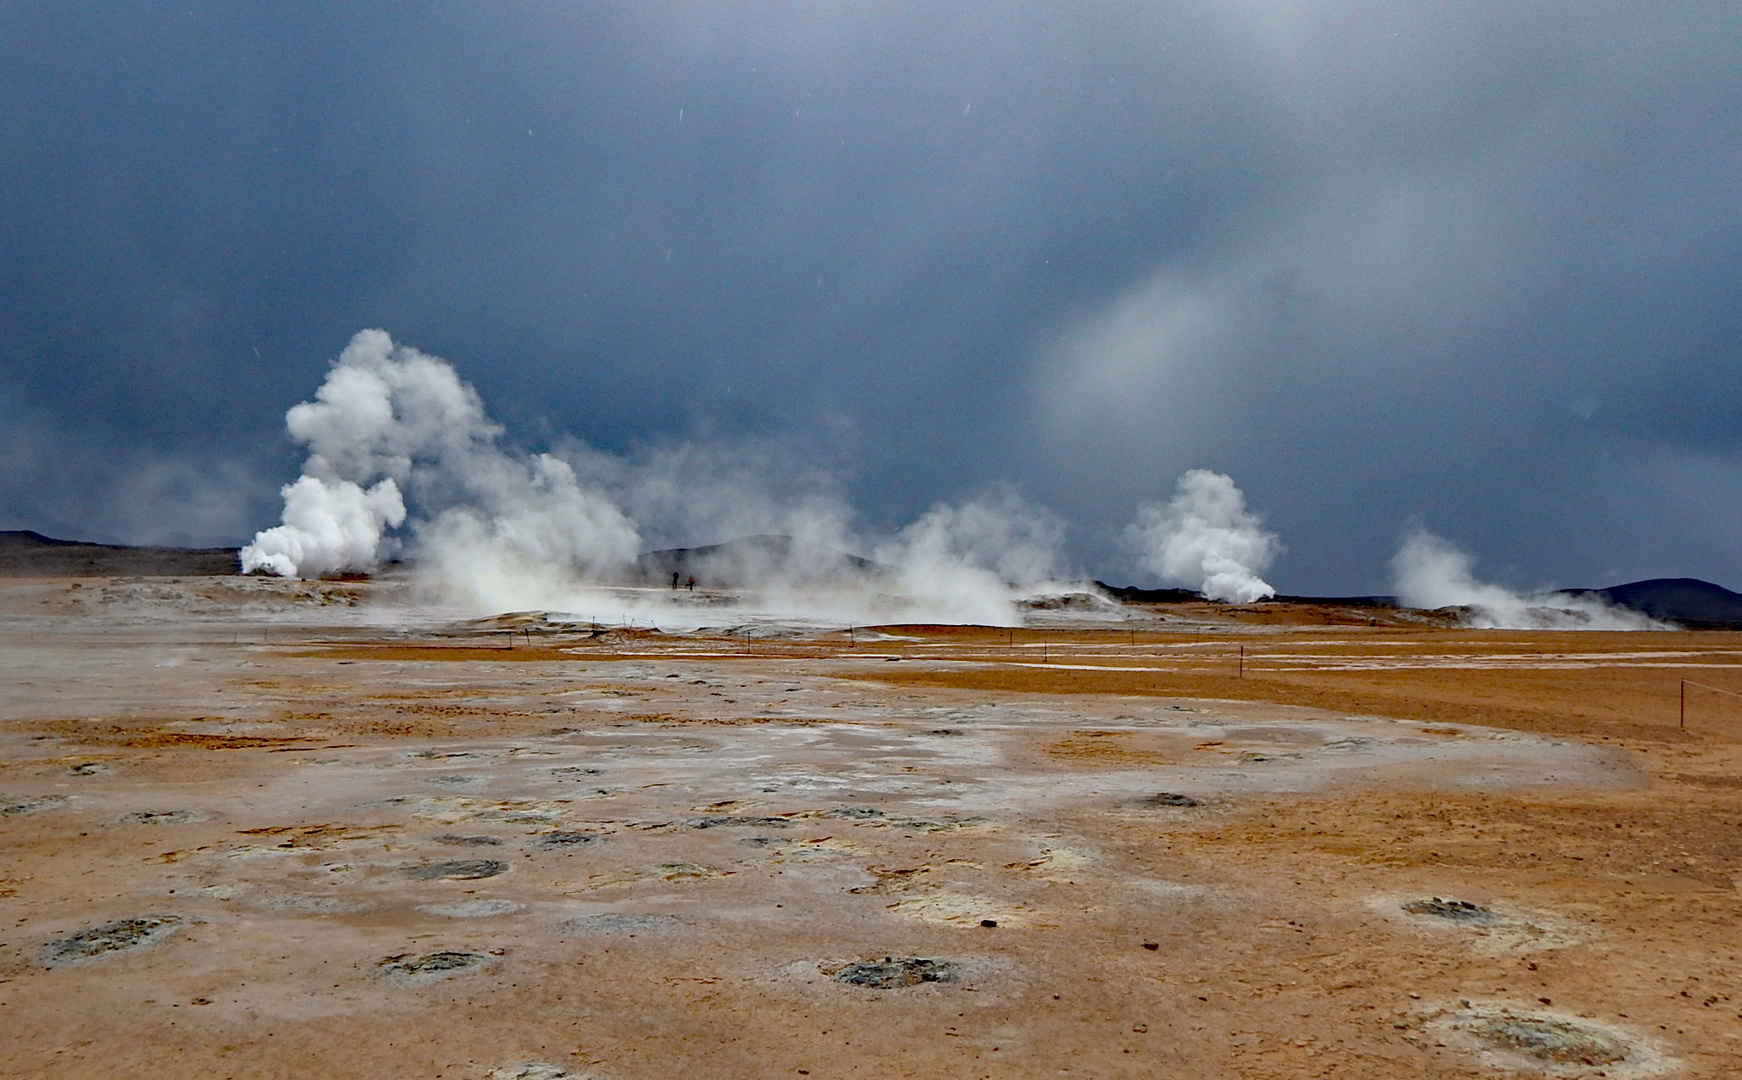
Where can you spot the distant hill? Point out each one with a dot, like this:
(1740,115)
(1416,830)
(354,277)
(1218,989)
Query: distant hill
(1132,594)
(1340,601)
(753,561)
(30,554)
(1689,601)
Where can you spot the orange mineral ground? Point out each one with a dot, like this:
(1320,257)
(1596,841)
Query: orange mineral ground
(278,829)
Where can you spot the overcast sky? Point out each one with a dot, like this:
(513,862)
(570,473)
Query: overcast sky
(1472,264)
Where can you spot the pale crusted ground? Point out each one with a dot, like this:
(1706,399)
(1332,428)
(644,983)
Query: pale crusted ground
(265,837)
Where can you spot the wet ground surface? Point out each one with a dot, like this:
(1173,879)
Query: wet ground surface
(892,973)
(108,938)
(266,849)
(1456,910)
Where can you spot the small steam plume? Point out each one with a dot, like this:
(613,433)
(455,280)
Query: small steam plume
(1430,572)
(1206,539)
(971,563)
(390,424)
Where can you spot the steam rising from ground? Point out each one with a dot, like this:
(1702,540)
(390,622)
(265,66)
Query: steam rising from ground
(965,557)
(395,438)
(389,420)
(329,526)
(1206,539)
(403,457)
(1428,571)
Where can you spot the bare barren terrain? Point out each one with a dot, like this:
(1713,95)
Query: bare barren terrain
(277,829)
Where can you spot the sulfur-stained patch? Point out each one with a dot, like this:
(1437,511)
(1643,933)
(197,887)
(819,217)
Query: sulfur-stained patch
(474,909)
(457,870)
(1060,864)
(533,1070)
(685,871)
(450,809)
(923,824)
(164,817)
(1462,911)
(737,822)
(17,805)
(226,891)
(1168,799)
(1520,1038)
(99,941)
(304,838)
(891,972)
(852,813)
(1491,929)
(961,909)
(1119,749)
(563,840)
(260,851)
(305,904)
(430,967)
(675,872)
(808,850)
(469,841)
(611,922)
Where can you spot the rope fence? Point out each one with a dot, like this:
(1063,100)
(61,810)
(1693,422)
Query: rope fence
(1715,689)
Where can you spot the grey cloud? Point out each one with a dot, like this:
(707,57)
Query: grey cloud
(1472,262)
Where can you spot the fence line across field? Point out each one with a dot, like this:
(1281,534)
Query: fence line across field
(1689,682)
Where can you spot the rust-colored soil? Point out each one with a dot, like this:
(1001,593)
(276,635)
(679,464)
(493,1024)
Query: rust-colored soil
(1356,851)
(1590,684)
(450,653)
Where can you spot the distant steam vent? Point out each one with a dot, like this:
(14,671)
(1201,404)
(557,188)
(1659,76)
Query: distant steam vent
(1206,539)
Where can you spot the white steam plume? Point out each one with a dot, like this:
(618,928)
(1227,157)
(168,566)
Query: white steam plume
(527,530)
(1430,572)
(971,563)
(329,526)
(1206,539)
(390,421)
(683,493)
(397,441)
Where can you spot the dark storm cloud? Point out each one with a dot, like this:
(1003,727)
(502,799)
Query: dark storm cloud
(1473,263)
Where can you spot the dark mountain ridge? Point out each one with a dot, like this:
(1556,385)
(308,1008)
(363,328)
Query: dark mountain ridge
(24,553)
(1690,602)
